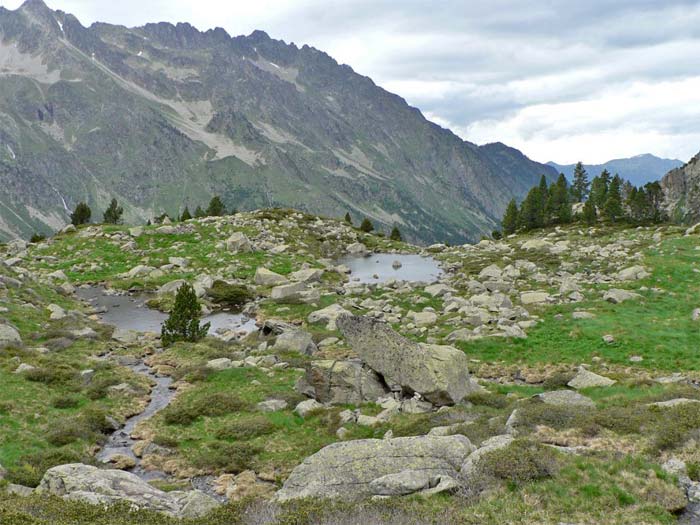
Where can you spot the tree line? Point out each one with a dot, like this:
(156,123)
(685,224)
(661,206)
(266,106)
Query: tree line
(366,226)
(606,197)
(113,214)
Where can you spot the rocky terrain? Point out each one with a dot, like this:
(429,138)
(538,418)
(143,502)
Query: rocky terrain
(543,378)
(164,116)
(682,191)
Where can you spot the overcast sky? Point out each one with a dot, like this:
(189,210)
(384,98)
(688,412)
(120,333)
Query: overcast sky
(558,79)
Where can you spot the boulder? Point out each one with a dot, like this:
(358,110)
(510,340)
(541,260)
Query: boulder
(490,272)
(294,293)
(425,318)
(536,244)
(632,273)
(238,243)
(9,336)
(222,363)
(565,398)
(617,295)
(265,277)
(353,470)
(125,336)
(311,275)
(92,485)
(587,379)
(329,315)
(535,298)
(356,248)
(272,405)
(438,373)
(304,408)
(344,382)
(295,341)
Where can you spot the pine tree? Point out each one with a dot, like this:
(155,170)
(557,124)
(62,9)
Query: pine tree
(637,203)
(113,214)
(580,185)
(589,214)
(395,234)
(216,207)
(612,209)
(186,215)
(81,214)
(655,198)
(531,211)
(366,225)
(599,189)
(558,207)
(183,322)
(199,212)
(544,191)
(510,218)
(348,219)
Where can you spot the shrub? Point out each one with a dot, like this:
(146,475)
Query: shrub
(51,376)
(366,225)
(216,207)
(395,234)
(30,468)
(223,456)
(113,214)
(98,387)
(66,401)
(231,295)
(81,214)
(211,405)
(183,322)
(488,399)
(37,237)
(520,462)
(245,429)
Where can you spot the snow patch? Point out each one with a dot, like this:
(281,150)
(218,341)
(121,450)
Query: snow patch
(140,53)
(273,64)
(60,25)
(12,153)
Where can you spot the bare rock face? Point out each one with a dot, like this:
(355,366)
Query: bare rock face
(682,192)
(344,382)
(92,485)
(353,470)
(438,373)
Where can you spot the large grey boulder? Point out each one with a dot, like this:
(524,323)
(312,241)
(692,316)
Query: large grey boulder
(87,483)
(295,341)
(587,379)
(352,470)
(294,293)
(238,243)
(617,295)
(329,315)
(343,382)
(9,336)
(265,277)
(438,373)
(567,398)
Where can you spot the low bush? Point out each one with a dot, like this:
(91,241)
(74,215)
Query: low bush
(223,456)
(230,295)
(212,405)
(488,399)
(246,429)
(66,401)
(30,468)
(520,462)
(51,376)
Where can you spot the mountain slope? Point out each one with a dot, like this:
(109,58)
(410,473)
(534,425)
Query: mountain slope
(639,169)
(682,191)
(164,116)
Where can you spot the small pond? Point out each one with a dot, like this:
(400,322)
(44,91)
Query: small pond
(412,268)
(130,312)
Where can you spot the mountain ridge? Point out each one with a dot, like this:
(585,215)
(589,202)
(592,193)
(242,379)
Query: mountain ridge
(163,116)
(638,169)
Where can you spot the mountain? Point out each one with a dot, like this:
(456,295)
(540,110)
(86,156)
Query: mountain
(163,116)
(682,191)
(638,170)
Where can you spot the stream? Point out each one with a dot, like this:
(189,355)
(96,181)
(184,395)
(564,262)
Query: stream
(129,312)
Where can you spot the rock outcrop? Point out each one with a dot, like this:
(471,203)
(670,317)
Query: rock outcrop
(343,382)
(682,192)
(438,373)
(87,483)
(363,468)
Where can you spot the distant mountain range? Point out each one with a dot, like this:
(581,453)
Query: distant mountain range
(163,116)
(638,170)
